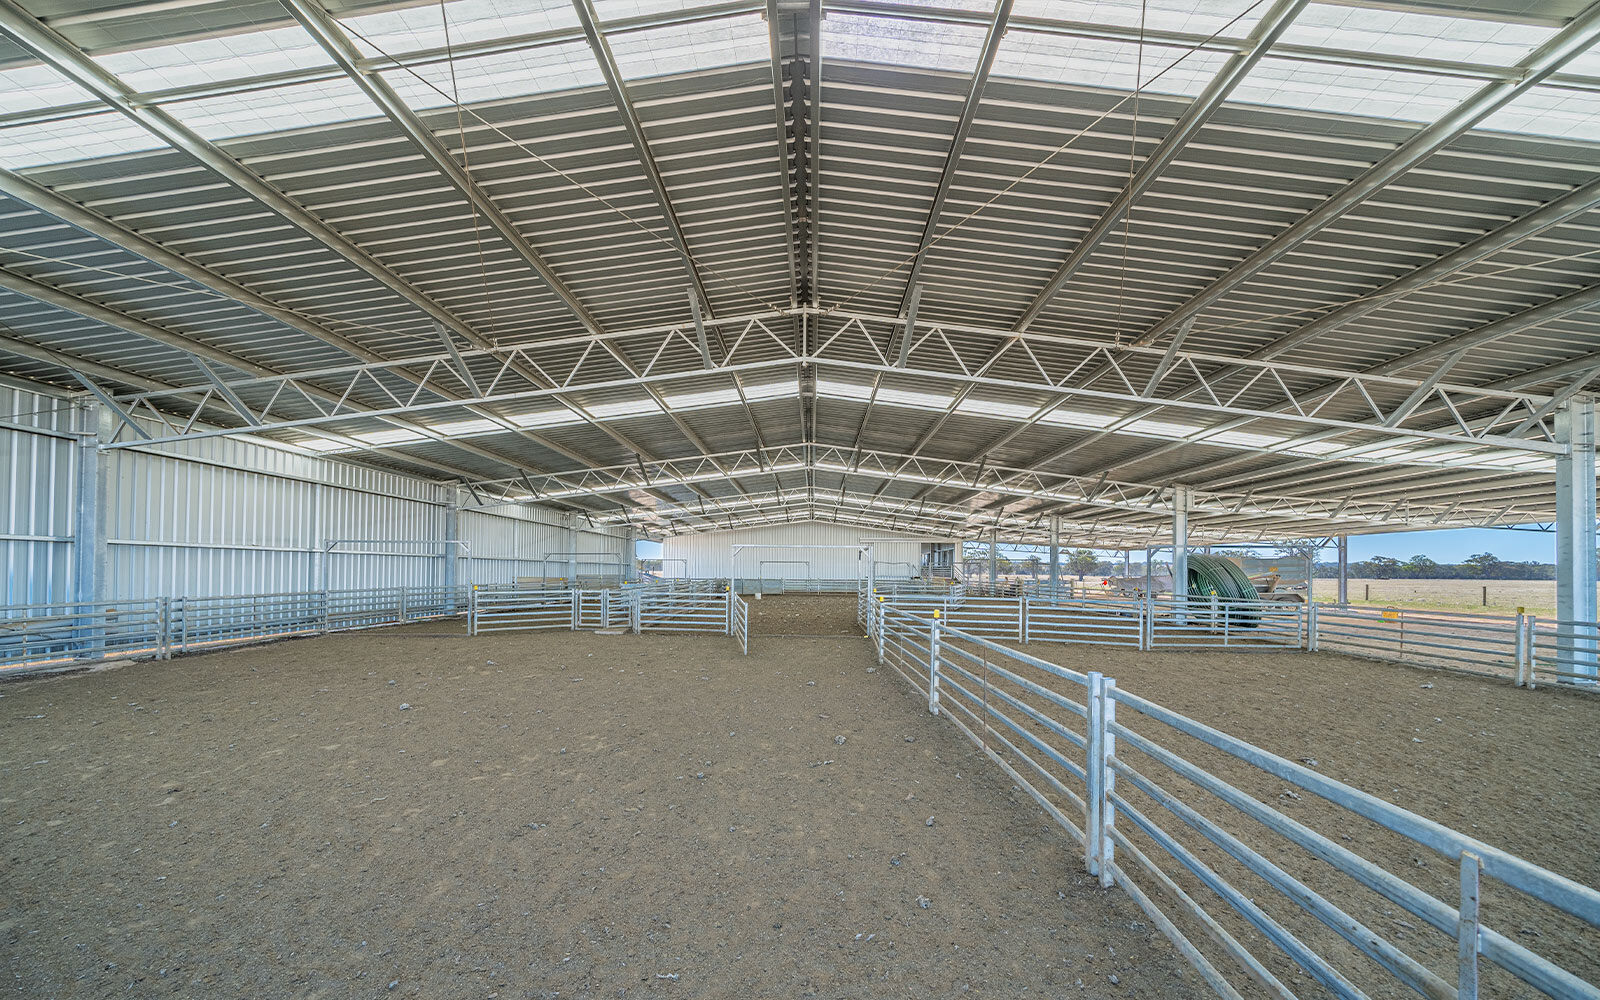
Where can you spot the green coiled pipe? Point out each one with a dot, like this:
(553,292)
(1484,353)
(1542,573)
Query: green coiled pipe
(1214,576)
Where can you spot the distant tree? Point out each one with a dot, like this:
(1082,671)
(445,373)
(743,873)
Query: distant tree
(1384,567)
(1082,561)
(1484,566)
(1420,567)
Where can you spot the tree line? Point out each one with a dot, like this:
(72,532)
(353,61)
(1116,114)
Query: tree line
(1483,566)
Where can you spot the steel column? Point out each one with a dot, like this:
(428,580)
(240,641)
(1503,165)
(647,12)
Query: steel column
(1180,544)
(90,504)
(1575,531)
(1344,569)
(1055,556)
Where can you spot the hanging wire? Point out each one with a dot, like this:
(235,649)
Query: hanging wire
(569,178)
(466,165)
(1133,146)
(1080,133)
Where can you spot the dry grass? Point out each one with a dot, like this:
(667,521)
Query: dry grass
(1538,597)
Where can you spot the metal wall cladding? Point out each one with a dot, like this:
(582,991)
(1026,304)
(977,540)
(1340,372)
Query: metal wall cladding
(36,503)
(803,554)
(222,516)
(512,542)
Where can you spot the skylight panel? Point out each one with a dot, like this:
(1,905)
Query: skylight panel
(1353,90)
(928,45)
(398,435)
(422,27)
(995,408)
(692,400)
(682,48)
(1401,33)
(1550,111)
(209,60)
(614,10)
(29,88)
(72,139)
(277,109)
(497,77)
(1233,18)
(1091,62)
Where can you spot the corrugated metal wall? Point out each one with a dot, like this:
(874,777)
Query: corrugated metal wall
(706,555)
(36,456)
(219,516)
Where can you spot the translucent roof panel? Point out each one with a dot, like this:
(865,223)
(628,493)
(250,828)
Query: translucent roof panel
(1587,64)
(500,76)
(1092,62)
(1353,90)
(1389,32)
(683,48)
(1233,18)
(209,60)
(277,109)
(616,10)
(855,38)
(1552,111)
(29,88)
(72,139)
(422,27)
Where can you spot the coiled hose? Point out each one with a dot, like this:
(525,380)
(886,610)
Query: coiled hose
(1214,576)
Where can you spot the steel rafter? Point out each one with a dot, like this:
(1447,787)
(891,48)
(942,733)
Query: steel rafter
(1577,37)
(1266,34)
(759,349)
(977,477)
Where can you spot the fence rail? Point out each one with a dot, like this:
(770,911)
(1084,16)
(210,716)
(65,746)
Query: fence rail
(1168,808)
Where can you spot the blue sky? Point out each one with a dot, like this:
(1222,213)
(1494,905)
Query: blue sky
(1457,544)
(1449,546)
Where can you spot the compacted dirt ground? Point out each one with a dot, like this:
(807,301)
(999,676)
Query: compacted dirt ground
(407,812)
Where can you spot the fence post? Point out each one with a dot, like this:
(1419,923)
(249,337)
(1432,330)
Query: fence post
(878,628)
(577,607)
(933,665)
(727,612)
(327,612)
(472,610)
(1522,648)
(164,629)
(1467,928)
(1311,627)
(402,605)
(1146,623)
(1098,849)
(1533,652)
(1022,618)
(636,613)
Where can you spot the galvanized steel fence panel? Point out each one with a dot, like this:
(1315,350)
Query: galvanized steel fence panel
(1211,836)
(1085,620)
(522,610)
(1480,644)
(741,622)
(677,611)
(1206,622)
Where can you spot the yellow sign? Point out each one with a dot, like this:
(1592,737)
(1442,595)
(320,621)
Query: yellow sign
(1392,615)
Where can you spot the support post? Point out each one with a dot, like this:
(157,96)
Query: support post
(1100,814)
(1344,570)
(933,665)
(97,424)
(1055,556)
(1180,550)
(1575,540)
(630,565)
(452,555)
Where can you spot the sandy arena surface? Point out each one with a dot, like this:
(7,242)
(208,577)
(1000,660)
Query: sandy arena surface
(555,814)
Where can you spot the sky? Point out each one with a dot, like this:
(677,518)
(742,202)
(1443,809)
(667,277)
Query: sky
(1449,546)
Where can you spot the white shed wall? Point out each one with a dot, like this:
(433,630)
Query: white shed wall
(709,554)
(225,516)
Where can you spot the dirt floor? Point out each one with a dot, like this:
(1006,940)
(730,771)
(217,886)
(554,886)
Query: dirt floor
(406,812)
